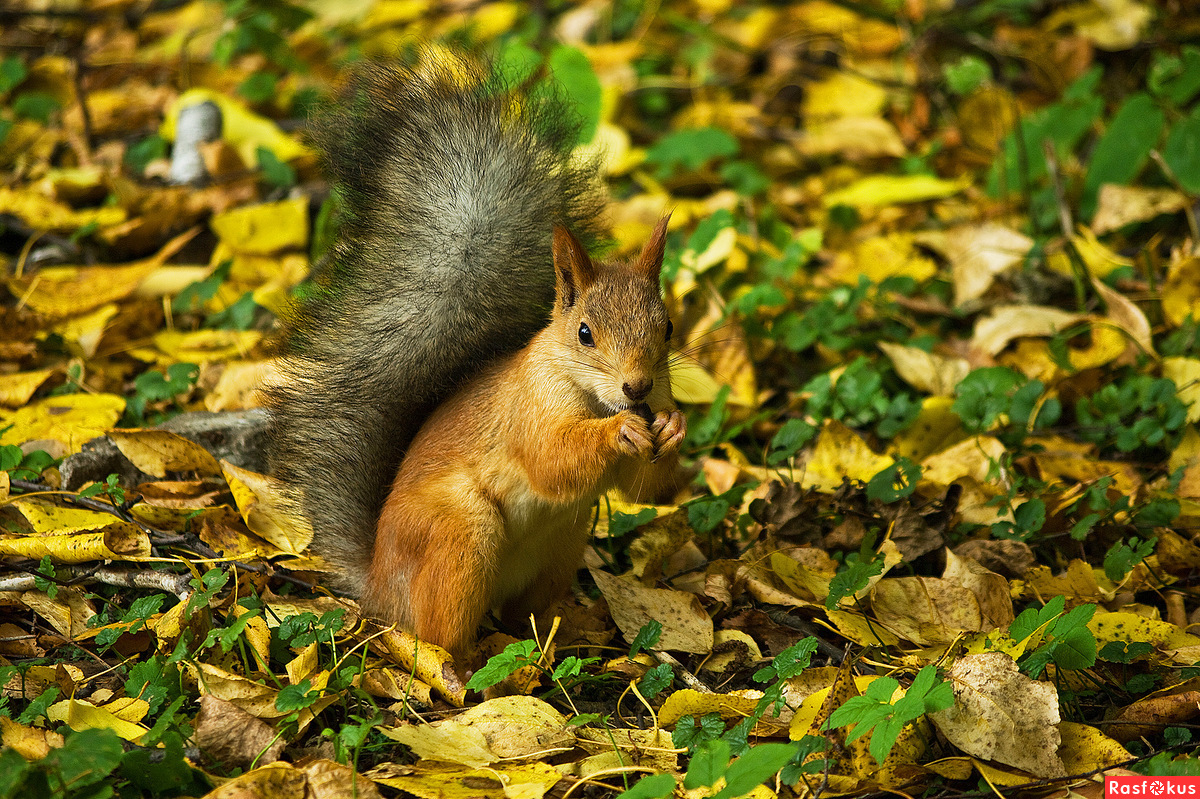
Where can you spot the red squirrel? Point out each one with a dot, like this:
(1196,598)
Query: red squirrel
(492,505)
(463,381)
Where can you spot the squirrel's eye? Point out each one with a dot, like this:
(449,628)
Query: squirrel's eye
(585,335)
(670,329)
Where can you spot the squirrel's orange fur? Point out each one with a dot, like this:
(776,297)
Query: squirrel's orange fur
(492,504)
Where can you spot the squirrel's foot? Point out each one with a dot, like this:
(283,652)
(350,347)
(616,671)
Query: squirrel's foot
(633,436)
(668,430)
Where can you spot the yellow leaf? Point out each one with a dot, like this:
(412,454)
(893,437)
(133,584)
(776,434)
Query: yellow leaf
(63,291)
(854,138)
(80,715)
(844,94)
(446,781)
(87,330)
(41,213)
(838,454)
(935,428)
(1129,627)
(259,500)
(17,388)
(1181,290)
(879,190)
(157,452)
(1085,749)
(926,371)
(265,228)
(689,702)
(30,743)
(1185,373)
(201,346)
(977,254)
(71,419)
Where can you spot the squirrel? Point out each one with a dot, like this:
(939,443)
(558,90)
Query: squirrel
(463,381)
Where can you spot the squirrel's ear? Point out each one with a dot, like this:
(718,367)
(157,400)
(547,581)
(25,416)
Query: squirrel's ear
(572,267)
(651,258)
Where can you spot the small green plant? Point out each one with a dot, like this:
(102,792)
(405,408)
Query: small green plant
(1066,640)
(154,387)
(1137,412)
(874,710)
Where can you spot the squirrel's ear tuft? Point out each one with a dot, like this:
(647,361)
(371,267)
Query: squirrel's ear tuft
(572,267)
(651,258)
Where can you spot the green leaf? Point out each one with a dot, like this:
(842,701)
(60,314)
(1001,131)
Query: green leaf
(38,106)
(657,786)
(12,72)
(515,656)
(968,74)
(259,87)
(37,708)
(85,758)
(690,149)
(708,764)
(296,697)
(894,482)
(656,680)
(621,523)
(574,72)
(1124,149)
(646,637)
(754,768)
(1182,151)
(275,172)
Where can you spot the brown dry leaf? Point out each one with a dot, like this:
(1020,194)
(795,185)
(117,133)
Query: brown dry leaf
(1000,714)
(989,588)
(231,736)
(1151,715)
(330,780)
(978,254)
(926,610)
(686,627)
(995,331)
(1119,205)
(157,452)
(926,371)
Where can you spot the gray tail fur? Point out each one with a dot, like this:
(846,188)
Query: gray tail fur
(450,183)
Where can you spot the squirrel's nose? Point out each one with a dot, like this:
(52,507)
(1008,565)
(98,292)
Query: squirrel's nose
(638,390)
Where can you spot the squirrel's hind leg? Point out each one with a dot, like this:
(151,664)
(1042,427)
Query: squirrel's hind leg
(433,570)
(560,562)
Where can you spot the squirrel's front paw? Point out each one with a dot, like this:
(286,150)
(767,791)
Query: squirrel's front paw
(633,436)
(668,430)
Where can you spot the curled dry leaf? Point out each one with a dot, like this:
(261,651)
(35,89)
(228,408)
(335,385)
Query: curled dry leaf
(686,627)
(1002,715)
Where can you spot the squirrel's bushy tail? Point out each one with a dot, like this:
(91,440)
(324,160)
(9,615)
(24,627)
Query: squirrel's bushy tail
(451,183)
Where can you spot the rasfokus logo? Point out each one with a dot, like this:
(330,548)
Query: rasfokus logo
(1151,787)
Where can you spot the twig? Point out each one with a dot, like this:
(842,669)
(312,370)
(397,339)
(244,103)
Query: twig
(157,579)
(691,680)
